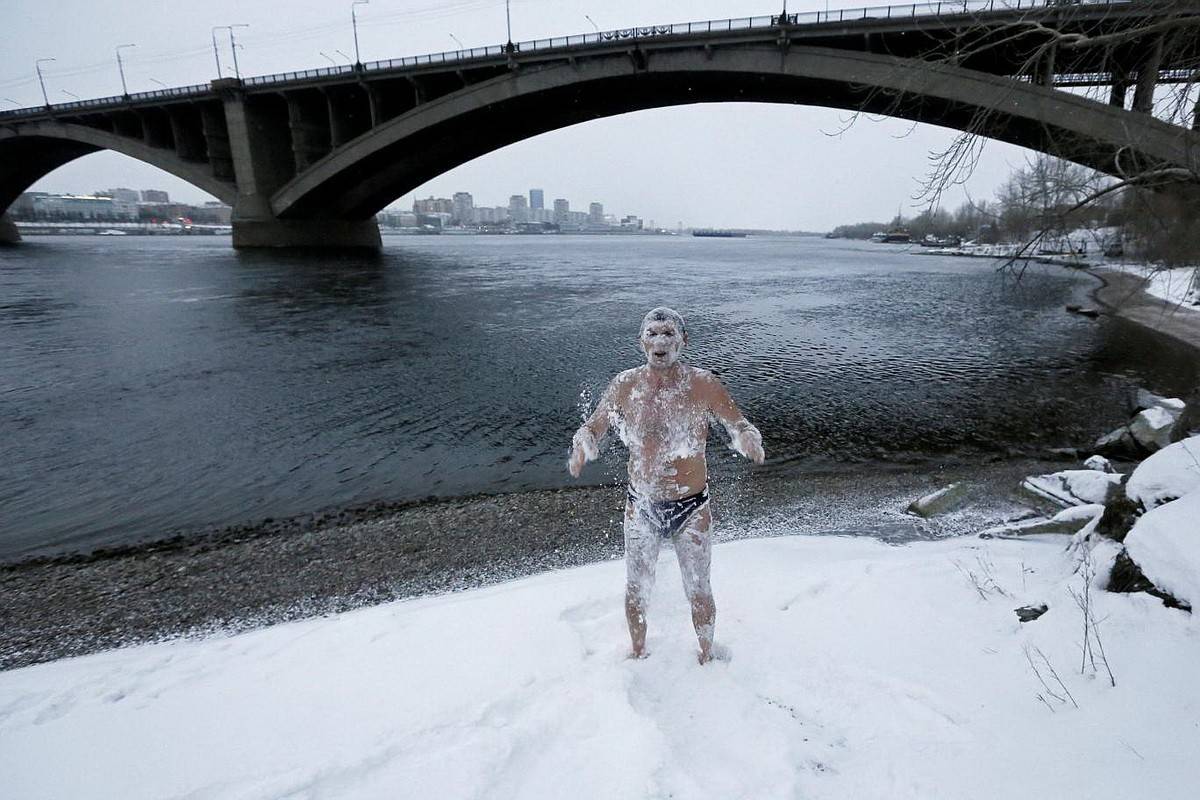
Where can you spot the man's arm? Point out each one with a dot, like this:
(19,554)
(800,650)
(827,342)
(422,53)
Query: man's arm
(585,444)
(743,437)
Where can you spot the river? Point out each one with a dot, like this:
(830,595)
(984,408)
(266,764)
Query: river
(157,385)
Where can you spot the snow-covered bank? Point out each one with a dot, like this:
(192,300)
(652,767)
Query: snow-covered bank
(854,669)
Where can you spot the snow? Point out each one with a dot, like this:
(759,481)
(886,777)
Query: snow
(1179,286)
(850,669)
(1170,473)
(1165,543)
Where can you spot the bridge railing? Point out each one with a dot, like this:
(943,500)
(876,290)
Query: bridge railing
(938,8)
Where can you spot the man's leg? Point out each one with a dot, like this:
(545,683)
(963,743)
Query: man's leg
(641,557)
(693,546)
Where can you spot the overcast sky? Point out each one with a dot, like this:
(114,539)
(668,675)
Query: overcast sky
(751,165)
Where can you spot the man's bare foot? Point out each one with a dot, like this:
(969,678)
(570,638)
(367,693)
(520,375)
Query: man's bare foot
(705,654)
(638,653)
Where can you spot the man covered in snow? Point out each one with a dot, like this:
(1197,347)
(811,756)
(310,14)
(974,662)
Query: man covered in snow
(661,412)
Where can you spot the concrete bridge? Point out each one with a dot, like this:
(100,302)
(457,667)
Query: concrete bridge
(307,158)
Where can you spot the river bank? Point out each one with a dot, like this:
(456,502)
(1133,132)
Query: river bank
(254,576)
(1125,294)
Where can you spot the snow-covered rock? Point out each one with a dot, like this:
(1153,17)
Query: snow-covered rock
(1099,464)
(1153,428)
(1146,400)
(1075,487)
(1172,472)
(1069,520)
(1116,443)
(1165,543)
(939,502)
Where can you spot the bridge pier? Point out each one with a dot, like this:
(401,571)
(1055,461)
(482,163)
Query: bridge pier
(8,231)
(263,156)
(308,233)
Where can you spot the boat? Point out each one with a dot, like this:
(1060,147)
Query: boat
(895,236)
(113,232)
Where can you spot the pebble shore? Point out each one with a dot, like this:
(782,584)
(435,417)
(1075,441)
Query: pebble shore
(250,576)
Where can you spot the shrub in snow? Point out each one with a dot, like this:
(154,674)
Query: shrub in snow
(1165,544)
(1170,473)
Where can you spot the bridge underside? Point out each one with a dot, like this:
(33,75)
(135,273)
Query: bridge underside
(403,153)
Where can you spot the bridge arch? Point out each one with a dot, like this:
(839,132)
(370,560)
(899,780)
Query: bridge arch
(361,177)
(39,148)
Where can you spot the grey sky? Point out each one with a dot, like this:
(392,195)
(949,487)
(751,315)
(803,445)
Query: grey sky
(721,164)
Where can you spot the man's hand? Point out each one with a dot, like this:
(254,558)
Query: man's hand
(583,450)
(748,441)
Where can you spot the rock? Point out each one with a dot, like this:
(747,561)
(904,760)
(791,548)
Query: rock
(1086,311)
(1172,472)
(1165,544)
(1127,577)
(1074,487)
(1100,464)
(1030,613)
(1153,428)
(939,502)
(1068,521)
(1117,520)
(1118,443)
(1146,400)
(1064,453)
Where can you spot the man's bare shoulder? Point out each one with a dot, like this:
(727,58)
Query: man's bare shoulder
(620,386)
(703,379)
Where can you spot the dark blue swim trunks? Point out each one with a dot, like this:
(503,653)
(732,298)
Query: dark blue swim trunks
(666,517)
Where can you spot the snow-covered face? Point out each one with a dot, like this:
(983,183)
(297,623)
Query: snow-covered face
(663,343)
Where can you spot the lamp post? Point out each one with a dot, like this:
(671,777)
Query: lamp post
(328,58)
(121,68)
(354,24)
(70,94)
(233,48)
(594,25)
(10,100)
(343,55)
(38,66)
(217,53)
(160,83)
(508,22)
(458,41)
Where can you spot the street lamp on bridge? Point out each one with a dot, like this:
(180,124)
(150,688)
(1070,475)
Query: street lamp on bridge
(121,68)
(354,24)
(594,25)
(458,41)
(508,48)
(233,46)
(38,66)
(70,94)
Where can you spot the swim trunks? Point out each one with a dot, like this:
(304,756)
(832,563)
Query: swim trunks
(667,517)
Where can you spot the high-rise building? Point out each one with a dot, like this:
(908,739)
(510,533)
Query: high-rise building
(518,210)
(433,205)
(155,196)
(561,209)
(596,214)
(537,199)
(121,195)
(463,204)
